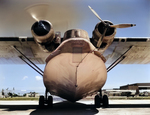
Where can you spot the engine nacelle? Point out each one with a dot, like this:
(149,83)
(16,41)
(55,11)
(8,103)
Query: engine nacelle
(105,41)
(44,35)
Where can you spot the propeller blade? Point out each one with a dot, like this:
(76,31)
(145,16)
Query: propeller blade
(38,11)
(122,25)
(35,18)
(97,15)
(101,39)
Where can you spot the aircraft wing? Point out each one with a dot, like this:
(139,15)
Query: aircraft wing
(138,54)
(27,46)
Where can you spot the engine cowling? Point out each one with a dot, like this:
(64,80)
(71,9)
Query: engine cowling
(108,37)
(44,35)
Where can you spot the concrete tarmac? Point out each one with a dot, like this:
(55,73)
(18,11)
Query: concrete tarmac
(116,107)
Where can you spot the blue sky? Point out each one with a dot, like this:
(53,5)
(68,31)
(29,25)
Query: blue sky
(22,77)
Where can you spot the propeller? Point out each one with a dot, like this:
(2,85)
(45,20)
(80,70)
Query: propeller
(113,26)
(38,11)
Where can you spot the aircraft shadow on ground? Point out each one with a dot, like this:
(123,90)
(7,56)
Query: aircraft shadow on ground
(58,108)
(67,108)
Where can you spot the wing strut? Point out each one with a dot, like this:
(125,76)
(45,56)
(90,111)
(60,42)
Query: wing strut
(118,60)
(31,64)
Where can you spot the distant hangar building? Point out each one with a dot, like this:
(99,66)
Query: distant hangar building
(136,86)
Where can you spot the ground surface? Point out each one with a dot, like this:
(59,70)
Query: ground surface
(117,107)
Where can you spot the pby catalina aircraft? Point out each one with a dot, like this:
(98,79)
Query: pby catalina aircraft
(75,64)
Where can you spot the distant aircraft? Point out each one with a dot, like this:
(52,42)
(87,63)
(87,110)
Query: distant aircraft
(75,64)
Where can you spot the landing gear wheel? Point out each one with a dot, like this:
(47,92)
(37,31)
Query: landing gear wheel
(98,101)
(41,101)
(50,101)
(105,101)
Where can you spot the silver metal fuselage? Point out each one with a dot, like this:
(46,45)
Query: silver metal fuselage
(74,70)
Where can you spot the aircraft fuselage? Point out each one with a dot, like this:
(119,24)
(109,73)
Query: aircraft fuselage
(74,70)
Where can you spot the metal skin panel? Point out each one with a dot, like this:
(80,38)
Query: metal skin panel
(139,53)
(8,55)
(71,79)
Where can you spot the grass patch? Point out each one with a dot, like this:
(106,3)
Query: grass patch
(20,98)
(111,98)
(129,98)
